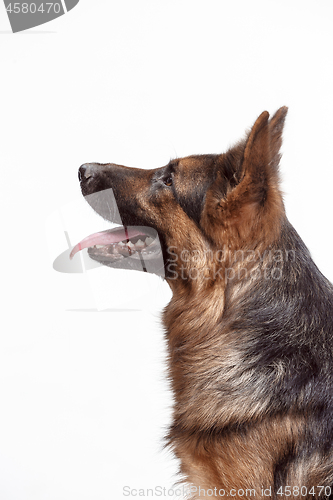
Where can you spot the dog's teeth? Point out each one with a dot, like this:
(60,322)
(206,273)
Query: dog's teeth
(139,244)
(131,245)
(121,243)
(149,240)
(99,246)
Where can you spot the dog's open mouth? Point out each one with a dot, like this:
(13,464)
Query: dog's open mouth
(114,245)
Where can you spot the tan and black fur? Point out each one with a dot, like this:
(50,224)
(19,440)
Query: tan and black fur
(250,324)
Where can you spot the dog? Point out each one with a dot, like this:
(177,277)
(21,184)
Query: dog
(249,327)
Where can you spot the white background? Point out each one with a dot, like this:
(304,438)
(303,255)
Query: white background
(84,402)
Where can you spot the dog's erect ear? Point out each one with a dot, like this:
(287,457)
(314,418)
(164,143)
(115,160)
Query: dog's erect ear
(259,166)
(253,187)
(276,124)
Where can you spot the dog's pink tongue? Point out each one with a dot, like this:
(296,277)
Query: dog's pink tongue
(105,238)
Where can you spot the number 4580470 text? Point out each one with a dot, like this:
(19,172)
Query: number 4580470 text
(32,8)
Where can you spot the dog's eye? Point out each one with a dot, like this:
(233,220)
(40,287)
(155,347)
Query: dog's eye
(168,181)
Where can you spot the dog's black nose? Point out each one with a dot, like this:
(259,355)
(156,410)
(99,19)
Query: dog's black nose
(86,171)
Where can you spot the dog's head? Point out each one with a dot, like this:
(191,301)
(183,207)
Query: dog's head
(196,205)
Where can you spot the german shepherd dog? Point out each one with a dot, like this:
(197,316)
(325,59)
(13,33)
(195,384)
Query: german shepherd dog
(249,328)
